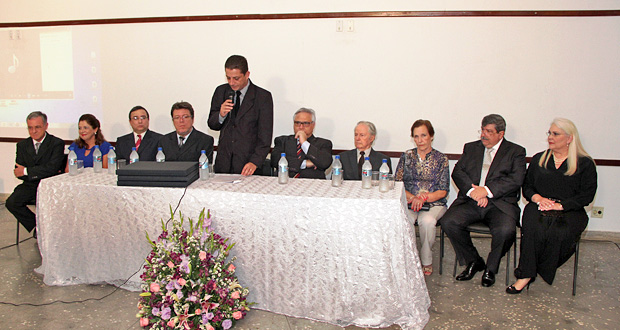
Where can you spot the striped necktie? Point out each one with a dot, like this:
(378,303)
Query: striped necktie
(298,156)
(138,141)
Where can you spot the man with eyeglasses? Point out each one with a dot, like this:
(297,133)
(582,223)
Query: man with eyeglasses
(38,157)
(185,143)
(308,156)
(243,114)
(489,176)
(142,137)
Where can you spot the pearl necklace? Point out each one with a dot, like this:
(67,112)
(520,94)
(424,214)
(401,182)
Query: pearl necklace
(559,161)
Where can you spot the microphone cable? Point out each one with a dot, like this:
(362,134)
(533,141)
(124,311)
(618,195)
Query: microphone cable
(89,299)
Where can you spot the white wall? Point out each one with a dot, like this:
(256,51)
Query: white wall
(391,71)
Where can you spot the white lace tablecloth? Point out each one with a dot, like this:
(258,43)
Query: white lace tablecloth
(341,255)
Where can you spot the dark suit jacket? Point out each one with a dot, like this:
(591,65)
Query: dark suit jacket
(248,138)
(190,151)
(147,150)
(504,179)
(48,162)
(319,152)
(349,163)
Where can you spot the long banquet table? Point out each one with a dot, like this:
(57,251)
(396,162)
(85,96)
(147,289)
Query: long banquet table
(341,255)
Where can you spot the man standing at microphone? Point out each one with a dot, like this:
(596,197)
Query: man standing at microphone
(243,113)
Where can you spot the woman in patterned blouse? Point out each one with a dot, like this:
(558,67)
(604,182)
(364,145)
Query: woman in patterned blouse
(425,173)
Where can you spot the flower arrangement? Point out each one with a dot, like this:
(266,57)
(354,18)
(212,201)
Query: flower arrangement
(187,282)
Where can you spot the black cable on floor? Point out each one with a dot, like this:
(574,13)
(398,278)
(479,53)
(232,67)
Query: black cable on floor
(90,299)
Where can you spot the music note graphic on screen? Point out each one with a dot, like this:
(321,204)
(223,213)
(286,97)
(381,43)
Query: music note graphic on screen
(13,67)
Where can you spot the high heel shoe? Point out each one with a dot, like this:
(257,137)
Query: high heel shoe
(512,290)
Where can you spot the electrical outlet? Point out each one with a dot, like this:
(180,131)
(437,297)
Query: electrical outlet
(597,211)
(339,26)
(350,26)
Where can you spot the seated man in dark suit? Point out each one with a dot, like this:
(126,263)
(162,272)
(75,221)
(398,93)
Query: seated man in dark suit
(38,157)
(352,160)
(142,137)
(186,142)
(308,156)
(489,177)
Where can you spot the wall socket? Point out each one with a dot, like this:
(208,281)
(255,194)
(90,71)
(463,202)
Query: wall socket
(597,211)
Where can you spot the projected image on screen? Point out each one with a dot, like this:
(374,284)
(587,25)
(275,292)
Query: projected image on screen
(36,70)
(54,70)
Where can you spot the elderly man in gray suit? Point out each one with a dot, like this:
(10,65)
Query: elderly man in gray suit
(352,160)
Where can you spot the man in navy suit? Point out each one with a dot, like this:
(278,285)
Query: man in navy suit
(308,156)
(38,157)
(185,143)
(142,138)
(243,113)
(352,160)
(489,175)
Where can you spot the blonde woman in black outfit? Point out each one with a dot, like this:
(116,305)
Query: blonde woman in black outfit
(559,183)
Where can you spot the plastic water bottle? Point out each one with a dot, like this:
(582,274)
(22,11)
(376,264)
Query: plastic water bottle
(283,169)
(366,174)
(160,157)
(72,161)
(97,160)
(337,172)
(203,165)
(111,161)
(133,157)
(384,182)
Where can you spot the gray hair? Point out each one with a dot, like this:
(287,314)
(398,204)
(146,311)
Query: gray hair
(306,110)
(37,114)
(371,127)
(495,119)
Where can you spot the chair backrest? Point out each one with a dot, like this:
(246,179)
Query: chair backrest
(266,169)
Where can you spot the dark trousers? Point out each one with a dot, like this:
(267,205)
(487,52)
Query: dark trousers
(548,241)
(502,226)
(17,204)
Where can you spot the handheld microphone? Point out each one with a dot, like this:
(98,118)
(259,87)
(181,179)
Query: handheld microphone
(231,96)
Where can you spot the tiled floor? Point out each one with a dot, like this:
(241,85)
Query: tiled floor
(455,305)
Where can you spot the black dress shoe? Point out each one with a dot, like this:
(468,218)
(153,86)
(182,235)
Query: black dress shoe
(488,278)
(512,290)
(471,270)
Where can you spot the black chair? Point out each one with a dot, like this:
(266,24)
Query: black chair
(266,169)
(479,228)
(576,266)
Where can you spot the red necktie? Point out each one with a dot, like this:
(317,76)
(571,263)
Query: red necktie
(139,141)
(298,156)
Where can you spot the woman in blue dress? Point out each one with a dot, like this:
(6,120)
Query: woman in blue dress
(89,129)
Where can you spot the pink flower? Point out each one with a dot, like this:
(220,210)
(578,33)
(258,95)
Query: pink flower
(231,268)
(154,287)
(209,327)
(235,295)
(182,281)
(171,323)
(197,311)
(144,322)
(202,255)
(237,315)
(170,264)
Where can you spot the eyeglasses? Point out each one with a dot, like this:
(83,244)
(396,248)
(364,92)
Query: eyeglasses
(303,123)
(184,117)
(555,134)
(139,117)
(486,131)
